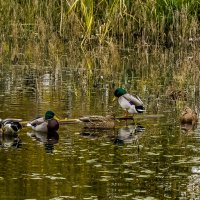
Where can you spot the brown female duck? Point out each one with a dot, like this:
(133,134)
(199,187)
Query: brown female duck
(188,116)
(97,121)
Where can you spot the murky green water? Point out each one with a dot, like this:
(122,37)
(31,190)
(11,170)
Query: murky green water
(159,162)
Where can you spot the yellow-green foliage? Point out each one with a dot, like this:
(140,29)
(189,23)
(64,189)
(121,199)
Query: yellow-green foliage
(32,26)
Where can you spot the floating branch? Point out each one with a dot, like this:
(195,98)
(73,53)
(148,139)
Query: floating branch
(75,121)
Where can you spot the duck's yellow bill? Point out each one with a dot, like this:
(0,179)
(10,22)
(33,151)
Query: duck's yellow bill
(56,118)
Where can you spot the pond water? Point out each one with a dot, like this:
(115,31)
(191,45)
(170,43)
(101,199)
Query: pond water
(149,159)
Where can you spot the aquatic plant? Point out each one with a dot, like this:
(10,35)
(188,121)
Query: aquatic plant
(96,38)
(89,23)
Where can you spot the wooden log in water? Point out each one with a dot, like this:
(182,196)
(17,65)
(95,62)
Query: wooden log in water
(75,121)
(69,121)
(140,117)
(61,122)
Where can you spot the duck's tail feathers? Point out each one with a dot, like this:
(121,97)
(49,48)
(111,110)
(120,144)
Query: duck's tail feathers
(140,109)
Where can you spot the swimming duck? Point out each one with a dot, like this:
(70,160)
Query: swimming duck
(45,124)
(131,104)
(10,126)
(98,121)
(188,116)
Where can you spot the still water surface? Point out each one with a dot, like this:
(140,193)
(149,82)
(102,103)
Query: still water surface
(158,162)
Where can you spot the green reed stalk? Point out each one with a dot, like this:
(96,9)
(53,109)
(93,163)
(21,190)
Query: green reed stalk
(30,26)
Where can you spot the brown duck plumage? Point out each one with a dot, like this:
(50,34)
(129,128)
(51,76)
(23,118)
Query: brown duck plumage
(97,121)
(188,116)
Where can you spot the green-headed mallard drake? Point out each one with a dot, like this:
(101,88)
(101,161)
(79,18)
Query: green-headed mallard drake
(131,104)
(188,116)
(98,122)
(45,124)
(10,126)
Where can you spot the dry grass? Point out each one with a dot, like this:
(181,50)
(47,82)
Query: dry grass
(95,34)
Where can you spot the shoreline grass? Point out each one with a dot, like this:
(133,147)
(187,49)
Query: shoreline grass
(35,28)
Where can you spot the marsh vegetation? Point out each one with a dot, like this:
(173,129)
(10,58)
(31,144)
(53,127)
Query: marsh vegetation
(32,31)
(69,56)
(157,41)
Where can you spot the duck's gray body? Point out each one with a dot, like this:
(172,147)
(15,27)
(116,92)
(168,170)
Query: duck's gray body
(42,125)
(130,103)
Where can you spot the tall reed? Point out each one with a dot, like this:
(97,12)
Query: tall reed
(37,28)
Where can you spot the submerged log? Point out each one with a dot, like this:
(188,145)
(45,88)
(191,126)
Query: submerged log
(75,121)
(140,117)
(61,122)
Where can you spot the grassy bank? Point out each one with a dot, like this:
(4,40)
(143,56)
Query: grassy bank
(32,30)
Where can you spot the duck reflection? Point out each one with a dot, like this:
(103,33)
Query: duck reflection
(188,119)
(188,128)
(10,140)
(48,139)
(128,134)
(9,129)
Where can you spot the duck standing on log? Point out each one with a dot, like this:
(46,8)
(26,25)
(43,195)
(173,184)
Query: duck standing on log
(130,103)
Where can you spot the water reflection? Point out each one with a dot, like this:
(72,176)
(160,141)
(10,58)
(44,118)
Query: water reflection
(119,136)
(89,133)
(10,140)
(188,128)
(90,164)
(193,188)
(128,134)
(29,81)
(48,139)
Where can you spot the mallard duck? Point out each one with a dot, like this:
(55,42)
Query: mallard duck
(188,116)
(131,104)
(97,121)
(10,126)
(45,124)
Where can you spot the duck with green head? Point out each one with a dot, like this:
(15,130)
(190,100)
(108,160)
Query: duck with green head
(131,104)
(45,124)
